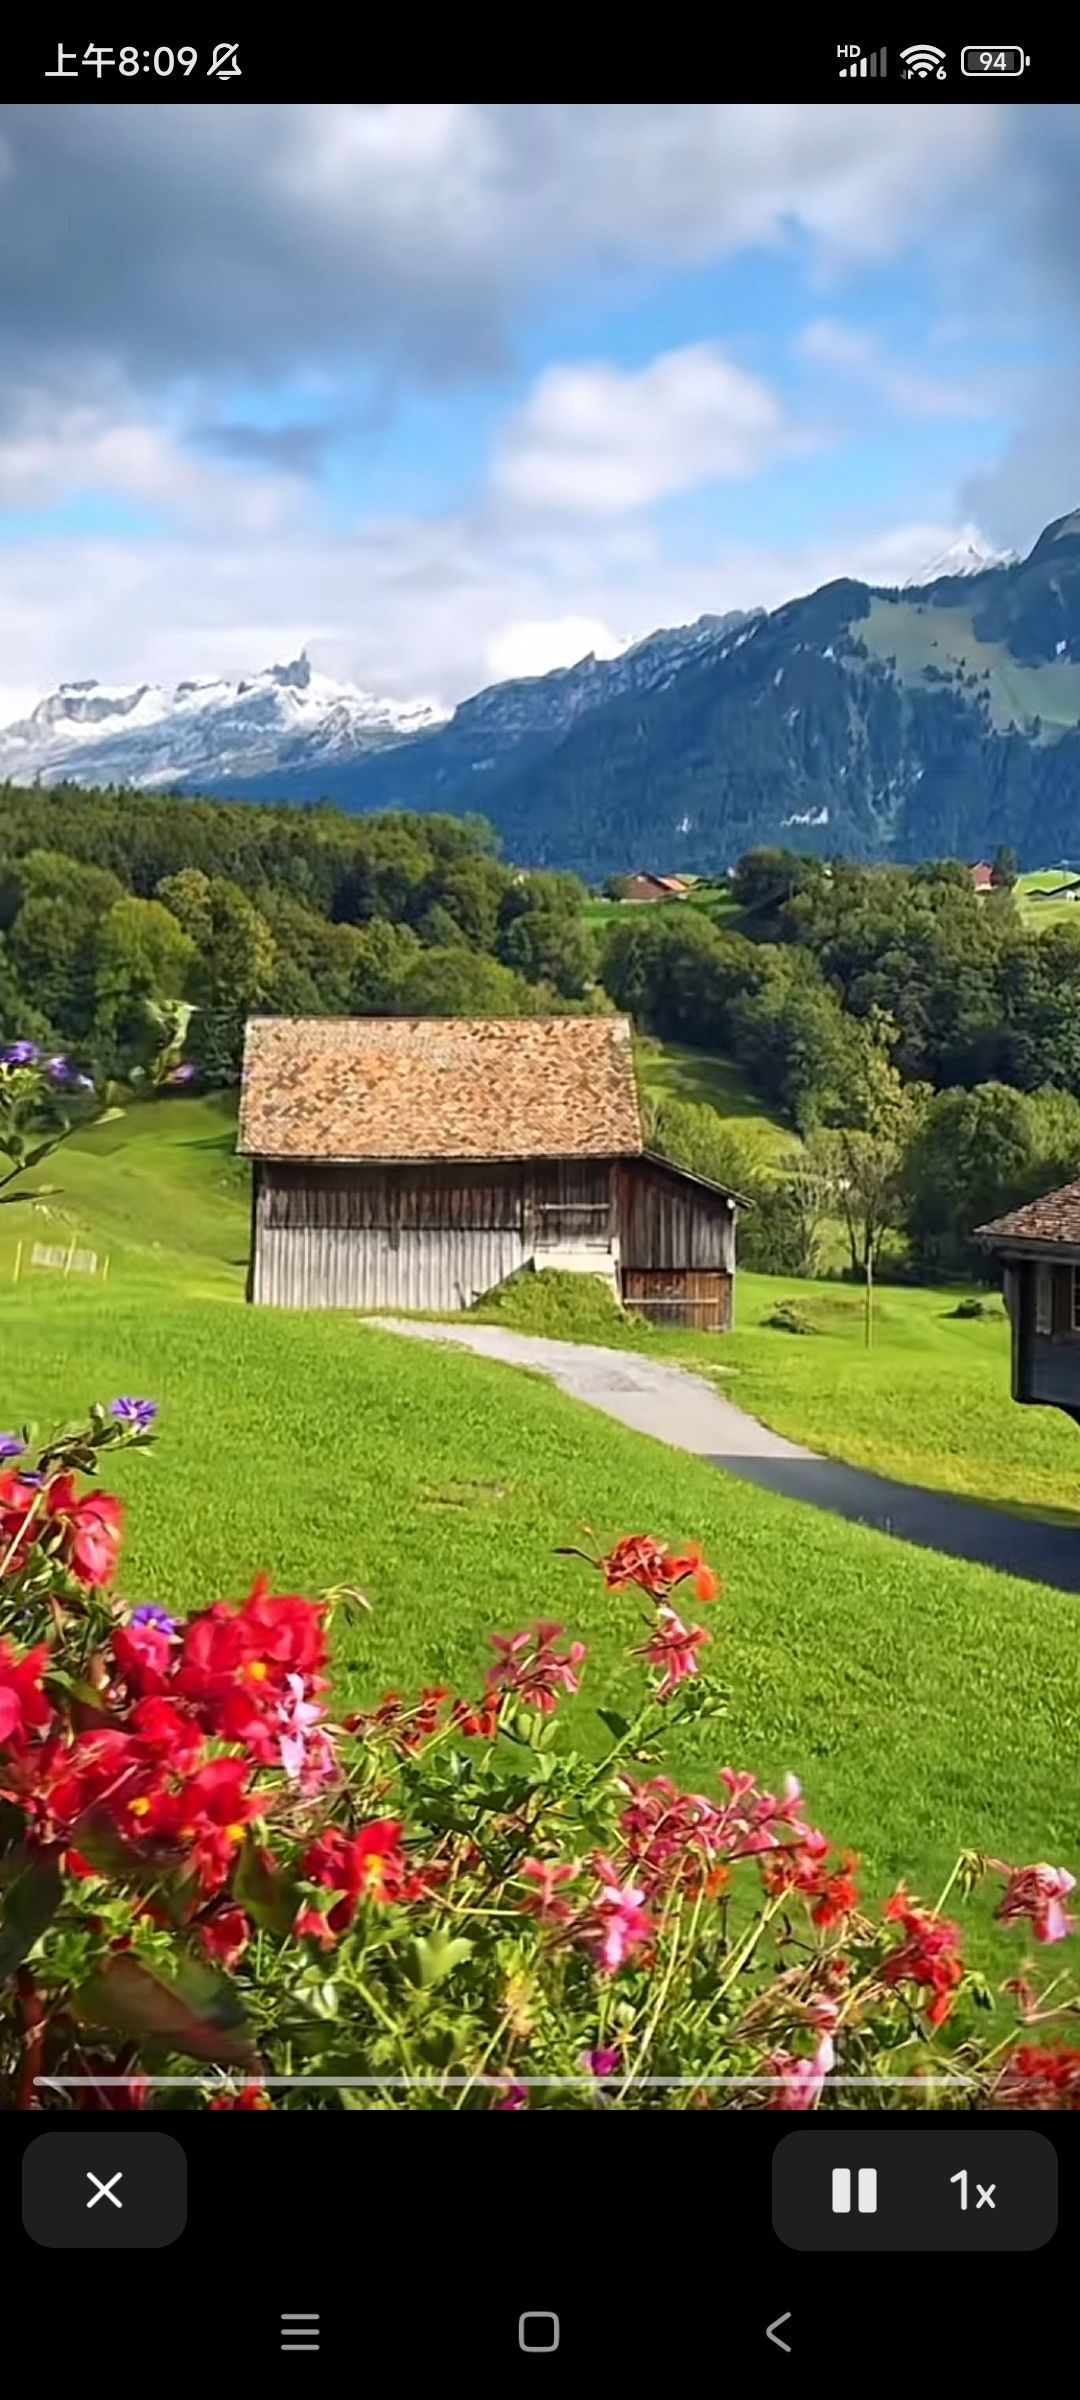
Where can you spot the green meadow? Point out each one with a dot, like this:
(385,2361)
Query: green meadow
(926,1704)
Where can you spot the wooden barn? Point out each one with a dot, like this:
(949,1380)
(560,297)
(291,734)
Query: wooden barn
(416,1162)
(1039,1249)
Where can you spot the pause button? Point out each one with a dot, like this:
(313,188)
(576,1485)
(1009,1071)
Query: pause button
(841,2191)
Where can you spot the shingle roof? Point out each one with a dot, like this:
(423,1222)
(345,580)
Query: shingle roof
(439,1087)
(1053,1217)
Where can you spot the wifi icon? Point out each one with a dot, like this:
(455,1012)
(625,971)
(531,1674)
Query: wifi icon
(921,59)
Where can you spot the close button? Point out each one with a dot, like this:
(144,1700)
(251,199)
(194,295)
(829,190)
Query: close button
(83,2191)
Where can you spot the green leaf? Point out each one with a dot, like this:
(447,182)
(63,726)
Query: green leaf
(190,2008)
(29,1904)
(616,1725)
(272,1899)
(433,1956)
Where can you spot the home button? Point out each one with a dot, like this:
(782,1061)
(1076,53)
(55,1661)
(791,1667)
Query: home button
(538,2331)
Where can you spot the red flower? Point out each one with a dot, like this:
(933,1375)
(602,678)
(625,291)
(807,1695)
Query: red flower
(21,1519)
(287,1632)
(368,1865)
(1040,2075)
(831,1891)
(548,1874)
(672,1647)
(252,2096)
(478,1717)
(225,1935)
(144,1655)
(167,1732)
(91,1530)
(209,1812)
(24,1707)
(929,1956)
(532,1669)
(639,1558)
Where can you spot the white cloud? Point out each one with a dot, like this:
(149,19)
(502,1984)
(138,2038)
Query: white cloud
(538,645)
(405,607)
(597,440)
(861,362)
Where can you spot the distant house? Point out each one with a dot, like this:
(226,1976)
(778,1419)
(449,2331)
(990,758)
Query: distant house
(982,875)
(1061,891)
(643,886)
(1039,1248)
(416,1162)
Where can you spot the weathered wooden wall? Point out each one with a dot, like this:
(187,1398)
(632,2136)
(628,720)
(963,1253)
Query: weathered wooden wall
(415,1236)
(698,1297)
(437,1236)
(666,1220)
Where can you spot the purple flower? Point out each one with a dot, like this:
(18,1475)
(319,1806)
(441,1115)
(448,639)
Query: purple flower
(183,1074)
(58,1068)
(148,1613)
(139,1414)
(10,1446)
(19,1054)
(601,2062)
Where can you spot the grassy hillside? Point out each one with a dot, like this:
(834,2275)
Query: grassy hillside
(714,898)
(672,1071)
(1040,913)
(325,1451)
(928,1403)
(159,1194)
(926,1703)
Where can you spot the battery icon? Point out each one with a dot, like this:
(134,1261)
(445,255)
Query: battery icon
(997,58)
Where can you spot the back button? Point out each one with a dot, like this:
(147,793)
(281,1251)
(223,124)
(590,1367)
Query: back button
(104,2192)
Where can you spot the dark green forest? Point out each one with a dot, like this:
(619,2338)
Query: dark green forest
(106,902)
(889,1007)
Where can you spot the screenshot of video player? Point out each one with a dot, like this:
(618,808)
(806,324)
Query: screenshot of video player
(539,1205)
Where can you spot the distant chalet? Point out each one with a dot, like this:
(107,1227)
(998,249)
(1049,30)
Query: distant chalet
(656,887)
(1039,1249)
(416,1162)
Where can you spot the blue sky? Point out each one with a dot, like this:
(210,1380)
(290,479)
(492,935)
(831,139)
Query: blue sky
(448,393)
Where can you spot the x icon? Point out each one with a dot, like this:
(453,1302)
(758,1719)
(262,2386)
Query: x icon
(986,2195)
(105,2190)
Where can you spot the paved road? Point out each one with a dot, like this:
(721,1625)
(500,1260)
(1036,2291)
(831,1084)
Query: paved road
(683,1409)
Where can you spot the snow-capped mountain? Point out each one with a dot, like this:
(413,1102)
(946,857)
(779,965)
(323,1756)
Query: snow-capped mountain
(287,716)
(963,557)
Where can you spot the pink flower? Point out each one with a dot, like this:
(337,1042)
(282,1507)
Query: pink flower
(306,1755)
(547,1874)
(1038,1892)
(600,2063)
(672,1648)
(621,1922)
(515,2096)
(532,1669)
(802,2079)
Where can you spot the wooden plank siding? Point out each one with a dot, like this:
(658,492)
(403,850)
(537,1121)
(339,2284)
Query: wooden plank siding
(667,1220)
(416,1236)
(680,1296)
(436,1235)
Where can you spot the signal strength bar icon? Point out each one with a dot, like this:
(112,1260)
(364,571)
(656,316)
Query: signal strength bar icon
(871,62)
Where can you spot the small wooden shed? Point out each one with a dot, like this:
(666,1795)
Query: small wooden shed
(1039,1249)
(416,1162)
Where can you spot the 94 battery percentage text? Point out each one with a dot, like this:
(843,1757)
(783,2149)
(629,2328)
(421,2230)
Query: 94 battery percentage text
(1002,58)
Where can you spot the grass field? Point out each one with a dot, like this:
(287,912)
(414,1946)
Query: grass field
(671,1071)
(926,1703)
(1036,913)
(714,898)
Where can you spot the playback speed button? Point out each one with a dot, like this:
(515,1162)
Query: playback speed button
(911,2190)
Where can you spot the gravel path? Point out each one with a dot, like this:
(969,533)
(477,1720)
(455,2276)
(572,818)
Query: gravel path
(683,1409)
